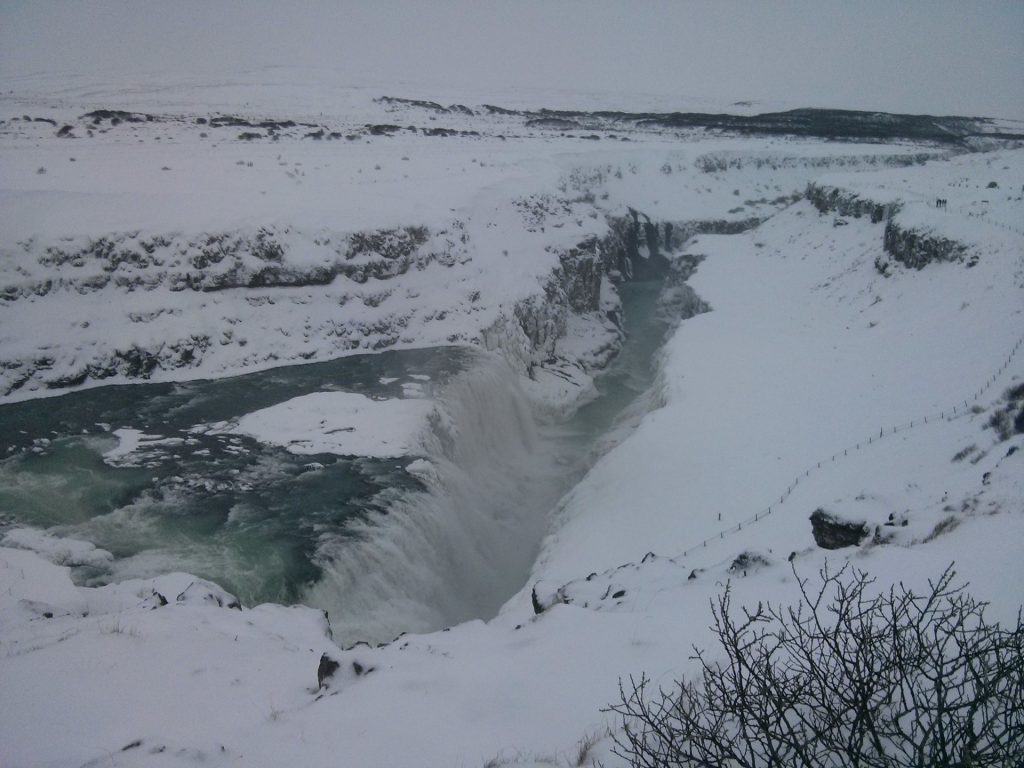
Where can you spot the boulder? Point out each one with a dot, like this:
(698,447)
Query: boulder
(832,532)
(325,671)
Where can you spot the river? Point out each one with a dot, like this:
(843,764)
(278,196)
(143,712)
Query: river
(383,549)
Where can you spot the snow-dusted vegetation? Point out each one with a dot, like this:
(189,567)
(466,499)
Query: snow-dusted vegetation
(370,426)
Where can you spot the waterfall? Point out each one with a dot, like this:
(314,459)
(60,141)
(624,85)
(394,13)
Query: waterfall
(461,546)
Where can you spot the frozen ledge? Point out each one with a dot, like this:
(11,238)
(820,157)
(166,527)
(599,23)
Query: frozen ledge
(343,423)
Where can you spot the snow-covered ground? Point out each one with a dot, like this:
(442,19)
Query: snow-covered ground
(826,375)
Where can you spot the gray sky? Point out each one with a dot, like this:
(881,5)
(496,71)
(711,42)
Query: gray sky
(938,56)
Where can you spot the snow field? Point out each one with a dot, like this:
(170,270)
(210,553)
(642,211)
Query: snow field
(808,350)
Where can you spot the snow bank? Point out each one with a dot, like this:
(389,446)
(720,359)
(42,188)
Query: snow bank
(57,549)
(344,423)
(784,396)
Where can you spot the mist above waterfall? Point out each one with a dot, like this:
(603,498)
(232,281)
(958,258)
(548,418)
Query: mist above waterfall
(460,547)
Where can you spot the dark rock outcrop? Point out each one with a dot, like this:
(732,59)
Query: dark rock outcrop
(834,200)
(201,592)
(383,129)
(832,532)
(325,671)
(579,276)
(116,116)
(633,248)
(556,123)
(917,249)
(748,561)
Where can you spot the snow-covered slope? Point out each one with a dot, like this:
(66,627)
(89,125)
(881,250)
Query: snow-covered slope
(830,372)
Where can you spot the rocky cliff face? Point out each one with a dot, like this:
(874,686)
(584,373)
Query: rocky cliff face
(829,199)
(266,258)
(529,336)
(133,307)
(909,246)
(916,249)
(636,247)
(141,307)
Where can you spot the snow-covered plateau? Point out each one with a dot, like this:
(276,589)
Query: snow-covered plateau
(842,294)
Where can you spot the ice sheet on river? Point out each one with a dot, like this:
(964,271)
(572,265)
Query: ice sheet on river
(343,423)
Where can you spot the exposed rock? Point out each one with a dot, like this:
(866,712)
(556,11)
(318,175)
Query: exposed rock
(557,123)
(116,116)
(917,249)
(882,536)
(580,276)
(202,592)
(634,248)
(229,121)
(493,110)
(537,607)
(748,561)
(360,670)
(383,130)
(432,106)
(846,203)
(832,532)
(325,671)
(1008,420)
(540,605)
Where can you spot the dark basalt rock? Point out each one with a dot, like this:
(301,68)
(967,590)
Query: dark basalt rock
(748,561)
(917,249)
(325,671)
(558,123)
(383,129)
(116,116)
(832,200)
(229,121)
(832,532)
(277,125)
(491,109)
(433,106)
(361,670)
(202,592)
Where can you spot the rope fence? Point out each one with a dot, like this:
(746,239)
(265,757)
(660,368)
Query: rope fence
(981,214)
(883,432)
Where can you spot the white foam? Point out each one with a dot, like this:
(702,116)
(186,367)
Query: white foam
(459,549)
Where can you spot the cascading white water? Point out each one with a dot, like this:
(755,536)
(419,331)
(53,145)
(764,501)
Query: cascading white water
(457,550)
(461,548)
(387,554)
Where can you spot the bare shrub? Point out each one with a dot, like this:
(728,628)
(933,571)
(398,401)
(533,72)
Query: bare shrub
(847,677)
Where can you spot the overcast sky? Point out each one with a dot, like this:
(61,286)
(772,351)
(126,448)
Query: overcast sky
(937,56)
